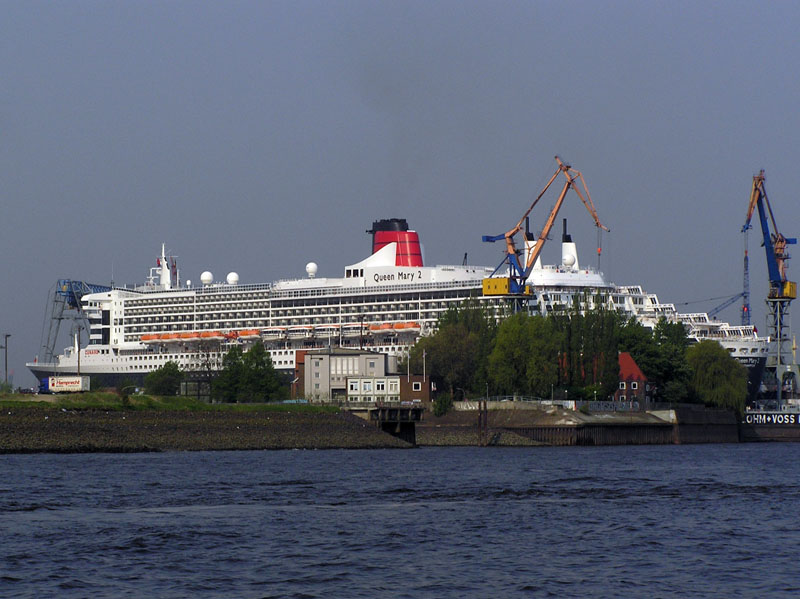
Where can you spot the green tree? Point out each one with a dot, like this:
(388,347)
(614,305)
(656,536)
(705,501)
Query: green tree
(164,381)
(661,354)
(248,377)
(225,386)
(589,348)
(508,361)
(717,378)
(541,369)
(524,359)
(457,353)
(451,353)
(638,341)
(259,381)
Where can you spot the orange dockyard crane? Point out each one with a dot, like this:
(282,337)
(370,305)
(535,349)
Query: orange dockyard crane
(519,271)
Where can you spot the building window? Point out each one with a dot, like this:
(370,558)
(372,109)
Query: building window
(353,386)
(634,385)
(622,384)
(622,398)
(417,386)
(367,386)
(380,385)
(371,363)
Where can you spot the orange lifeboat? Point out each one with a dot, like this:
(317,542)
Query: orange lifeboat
(170,338)
(211,336)
(249,334)
(189,336)
(150,338)
(399,326)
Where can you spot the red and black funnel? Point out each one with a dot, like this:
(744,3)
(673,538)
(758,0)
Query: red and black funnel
(395,230)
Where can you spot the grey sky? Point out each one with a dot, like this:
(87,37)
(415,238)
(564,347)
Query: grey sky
(256,136)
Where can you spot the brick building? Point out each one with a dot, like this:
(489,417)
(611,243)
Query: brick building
(633,385)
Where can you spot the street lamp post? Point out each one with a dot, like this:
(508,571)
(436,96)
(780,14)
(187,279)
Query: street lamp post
(5,348)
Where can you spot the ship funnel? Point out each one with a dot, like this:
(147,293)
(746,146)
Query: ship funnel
(395,230)
(569,252)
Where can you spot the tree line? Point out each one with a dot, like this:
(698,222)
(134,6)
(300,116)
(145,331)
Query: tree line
(574,354)
(246,376)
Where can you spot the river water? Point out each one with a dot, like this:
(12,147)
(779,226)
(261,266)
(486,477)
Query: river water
(654,521)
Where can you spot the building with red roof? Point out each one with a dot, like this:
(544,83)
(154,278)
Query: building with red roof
(633,385)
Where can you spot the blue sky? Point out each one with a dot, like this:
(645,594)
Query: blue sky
(257,136)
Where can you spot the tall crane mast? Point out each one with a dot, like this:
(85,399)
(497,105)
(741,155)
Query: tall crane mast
(520,269)
(781,290)
(746,280)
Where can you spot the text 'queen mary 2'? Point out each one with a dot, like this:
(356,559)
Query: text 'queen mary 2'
(383,303)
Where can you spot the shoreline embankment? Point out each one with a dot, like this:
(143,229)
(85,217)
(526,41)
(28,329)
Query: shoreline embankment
(34,430)
(61,430)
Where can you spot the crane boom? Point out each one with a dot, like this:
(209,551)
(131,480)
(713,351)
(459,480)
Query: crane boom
(774,243)
(519,272)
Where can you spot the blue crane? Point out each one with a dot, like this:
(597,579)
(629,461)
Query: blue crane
(774,243)
(728,302)
(781,290)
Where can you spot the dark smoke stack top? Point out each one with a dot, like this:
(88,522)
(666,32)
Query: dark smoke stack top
(566,237)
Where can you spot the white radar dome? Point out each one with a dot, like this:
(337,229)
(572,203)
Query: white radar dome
(569,260)
(311,269)
(206,278)
(232,278)
(188,283)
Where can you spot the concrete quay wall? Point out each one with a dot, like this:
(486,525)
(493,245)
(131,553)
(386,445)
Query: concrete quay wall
(553,426)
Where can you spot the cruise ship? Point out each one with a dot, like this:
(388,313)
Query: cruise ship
(384,303)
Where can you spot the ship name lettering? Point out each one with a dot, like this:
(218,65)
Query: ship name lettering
(400,276)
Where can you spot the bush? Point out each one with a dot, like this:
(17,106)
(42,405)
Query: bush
(164,381)
(442,405)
